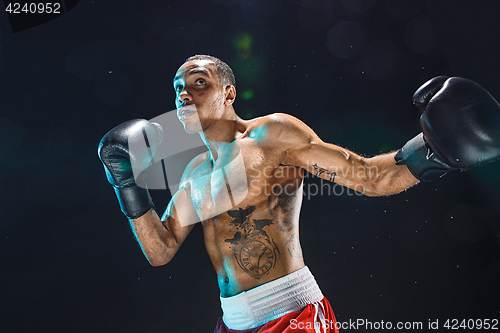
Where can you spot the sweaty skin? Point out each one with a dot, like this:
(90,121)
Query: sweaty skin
(251,228)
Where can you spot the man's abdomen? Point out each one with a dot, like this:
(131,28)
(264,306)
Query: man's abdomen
(253,244)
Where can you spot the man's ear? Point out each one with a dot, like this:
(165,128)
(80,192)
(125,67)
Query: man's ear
(230,95)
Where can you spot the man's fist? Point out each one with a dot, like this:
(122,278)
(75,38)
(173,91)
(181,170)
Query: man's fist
(126,151)
(461,128)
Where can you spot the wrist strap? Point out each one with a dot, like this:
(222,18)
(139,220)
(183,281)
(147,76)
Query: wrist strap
(421,160)
(134,201)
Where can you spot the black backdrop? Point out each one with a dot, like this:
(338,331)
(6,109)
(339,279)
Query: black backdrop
(69,262)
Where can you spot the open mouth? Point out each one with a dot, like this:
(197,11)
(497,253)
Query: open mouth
(184,113)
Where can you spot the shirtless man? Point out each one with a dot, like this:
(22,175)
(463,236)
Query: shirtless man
(253,241)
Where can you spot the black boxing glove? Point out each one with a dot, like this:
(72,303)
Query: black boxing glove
(460,124)
(126,151)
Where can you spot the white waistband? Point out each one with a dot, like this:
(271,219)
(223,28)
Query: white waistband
(257,306)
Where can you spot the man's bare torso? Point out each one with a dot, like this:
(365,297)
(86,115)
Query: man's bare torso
(255,238)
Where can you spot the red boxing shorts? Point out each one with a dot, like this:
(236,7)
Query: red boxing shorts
(292,304)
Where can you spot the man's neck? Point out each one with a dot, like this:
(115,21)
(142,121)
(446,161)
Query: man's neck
(221,133)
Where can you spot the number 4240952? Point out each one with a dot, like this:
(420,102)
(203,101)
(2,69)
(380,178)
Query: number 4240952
(487,324)
(34,8)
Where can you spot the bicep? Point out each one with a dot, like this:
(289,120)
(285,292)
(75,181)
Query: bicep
(304,149)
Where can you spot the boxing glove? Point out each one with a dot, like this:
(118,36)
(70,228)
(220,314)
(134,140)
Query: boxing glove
(460,124)
(126,151)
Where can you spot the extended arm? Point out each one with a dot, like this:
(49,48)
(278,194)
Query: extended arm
(460,129)
(375,176)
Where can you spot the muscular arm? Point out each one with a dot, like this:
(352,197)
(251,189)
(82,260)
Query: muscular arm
(161,238)
(153,237)
(375,176)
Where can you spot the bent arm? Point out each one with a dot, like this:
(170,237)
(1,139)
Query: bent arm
(375,176)
(161,238)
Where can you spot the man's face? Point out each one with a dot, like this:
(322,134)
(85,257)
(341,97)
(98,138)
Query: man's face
(199,96)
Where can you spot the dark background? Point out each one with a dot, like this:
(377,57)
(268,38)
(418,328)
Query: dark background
(348,68)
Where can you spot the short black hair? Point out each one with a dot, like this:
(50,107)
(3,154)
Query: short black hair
(223,71)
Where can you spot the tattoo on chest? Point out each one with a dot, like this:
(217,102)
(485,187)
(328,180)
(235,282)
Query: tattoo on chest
(252,247)
(319,171)
(281,204)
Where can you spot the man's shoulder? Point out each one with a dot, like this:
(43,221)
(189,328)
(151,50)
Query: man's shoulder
(274,119)
(273,123)
(280,126)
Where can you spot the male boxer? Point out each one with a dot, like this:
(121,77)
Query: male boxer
(250,211)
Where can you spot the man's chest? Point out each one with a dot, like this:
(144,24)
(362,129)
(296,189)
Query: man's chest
(237,178)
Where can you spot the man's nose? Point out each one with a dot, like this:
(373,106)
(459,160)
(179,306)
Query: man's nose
(184,97)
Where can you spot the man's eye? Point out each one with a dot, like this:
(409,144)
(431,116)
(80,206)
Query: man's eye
(200,82)
(178,88)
